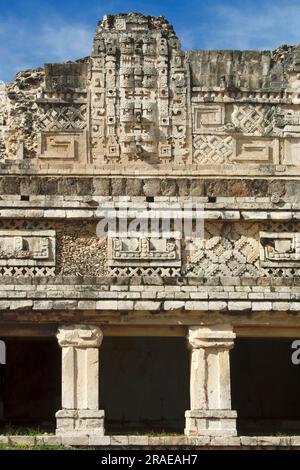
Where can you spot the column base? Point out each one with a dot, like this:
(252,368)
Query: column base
(210,423)
(79,422)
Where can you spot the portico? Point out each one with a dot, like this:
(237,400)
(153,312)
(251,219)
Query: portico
(210,398)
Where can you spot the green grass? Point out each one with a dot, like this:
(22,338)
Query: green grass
(37,447)
(9,430)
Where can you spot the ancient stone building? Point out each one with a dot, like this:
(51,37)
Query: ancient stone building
(153,329)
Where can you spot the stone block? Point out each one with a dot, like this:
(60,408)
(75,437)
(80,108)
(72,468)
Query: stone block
(226,441)
(138,441)
(147,305)
(196,305)
(4,440)
(238,305)
(257,306)
(99,441)
(48,440)
(24,441)
(119,440)
(75,440)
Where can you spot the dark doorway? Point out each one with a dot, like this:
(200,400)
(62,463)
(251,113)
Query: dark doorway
(144,383)
(265,386)
(30,384)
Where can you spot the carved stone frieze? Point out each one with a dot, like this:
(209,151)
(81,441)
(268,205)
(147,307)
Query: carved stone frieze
(138,92)
(279,249)
(27,248)
(144,252)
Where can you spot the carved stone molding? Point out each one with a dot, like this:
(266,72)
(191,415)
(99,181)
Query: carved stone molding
(279,249)
(20,248)
(211,337)
(79,336)
(144,252)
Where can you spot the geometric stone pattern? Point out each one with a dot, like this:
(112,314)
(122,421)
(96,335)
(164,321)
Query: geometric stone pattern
(234,252)
(143,271)
(138,91)
(212,149)
(55,117)
(280,249)
(144,252)
(227,249)
(139,101)
(256,120)
(27,252)
(189,127)
(208,118)
(254,150)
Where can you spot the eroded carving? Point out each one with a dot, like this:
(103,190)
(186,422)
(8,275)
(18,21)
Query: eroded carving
(20,248)
(143,252)
(138,92)
(279,249)
(79,336)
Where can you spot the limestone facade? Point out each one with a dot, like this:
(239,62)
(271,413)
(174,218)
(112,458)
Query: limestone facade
(141,126)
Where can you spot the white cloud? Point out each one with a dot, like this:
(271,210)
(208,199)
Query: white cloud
(66,41)
(23,46)
(29,43)
(264,26)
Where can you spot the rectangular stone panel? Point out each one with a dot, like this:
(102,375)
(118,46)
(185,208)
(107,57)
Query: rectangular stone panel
(66,76)
(291,154)
(144,252)
(70,146)
(255,150)
(279,249)
(24,248)
(208,118)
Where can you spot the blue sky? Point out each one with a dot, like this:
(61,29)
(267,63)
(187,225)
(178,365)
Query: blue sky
(36,31)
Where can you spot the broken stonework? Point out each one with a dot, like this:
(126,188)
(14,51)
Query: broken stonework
(141,126)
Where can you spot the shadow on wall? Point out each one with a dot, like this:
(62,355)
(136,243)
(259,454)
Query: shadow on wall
(30,383)
(265,386)
(144,383)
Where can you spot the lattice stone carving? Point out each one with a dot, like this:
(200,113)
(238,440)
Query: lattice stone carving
(212,149)
(280,249)
(27,272)
(253,119)
(226,250)
(140,271)
(62,117)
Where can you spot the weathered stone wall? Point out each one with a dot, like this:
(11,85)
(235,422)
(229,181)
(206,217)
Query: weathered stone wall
(141,124)
(139,102)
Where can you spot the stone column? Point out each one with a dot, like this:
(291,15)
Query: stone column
(210,412)
(80,412)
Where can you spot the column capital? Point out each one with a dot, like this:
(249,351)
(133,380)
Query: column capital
(219,336)
(79,336)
